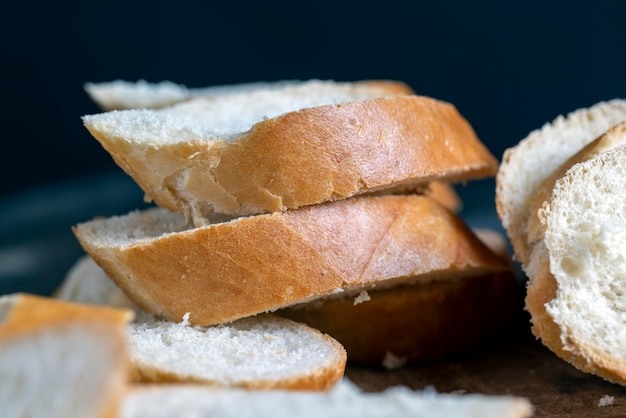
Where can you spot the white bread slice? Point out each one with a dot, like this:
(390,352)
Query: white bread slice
(398,326)
(60,359)
(121,95)
(250,265)
(578,271)
(265,352)
(343,401)
(278,149)
(526,165)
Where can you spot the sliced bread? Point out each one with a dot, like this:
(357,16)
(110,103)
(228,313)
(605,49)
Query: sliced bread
(291,147)
(526,165)
(345,400)
(121,94)
(578,272)
(421,322)
(234,269)
(60,359)
(264,352)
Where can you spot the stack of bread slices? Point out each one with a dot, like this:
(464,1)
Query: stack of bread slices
(324,202)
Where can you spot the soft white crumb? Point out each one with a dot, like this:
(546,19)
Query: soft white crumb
(186,319)
(392,362)
(362,297)
(606,400)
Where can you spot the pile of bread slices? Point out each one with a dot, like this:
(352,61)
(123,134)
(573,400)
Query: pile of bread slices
(297,226)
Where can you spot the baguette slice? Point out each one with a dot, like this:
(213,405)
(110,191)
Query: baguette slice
(525,166)
(265,352)
(291,147)
(423,322)
(578,272)
(234,269)
(343,401)
(120,94)
(61,359)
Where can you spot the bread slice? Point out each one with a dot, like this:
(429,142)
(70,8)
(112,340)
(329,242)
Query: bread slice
(264,352)
(61,359)
(421,322)
(120,94)
(291,147)
(526,165)
(577,272)
(234,269)
(343,401)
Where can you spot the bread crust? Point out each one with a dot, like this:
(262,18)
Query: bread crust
(306,157)
(414,323)
(230,270)
(25,316)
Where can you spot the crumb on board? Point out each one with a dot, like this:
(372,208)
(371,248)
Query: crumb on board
(392,362)
(362,297)
(606,400)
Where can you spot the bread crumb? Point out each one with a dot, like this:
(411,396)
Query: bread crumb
(186,319)
(606,400)
(392,362)
(362,297)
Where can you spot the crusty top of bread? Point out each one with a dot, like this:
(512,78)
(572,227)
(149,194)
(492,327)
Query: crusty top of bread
(60,359)
(230,270)
(271,150)
(264,352)
(121,94)
(577,271)
(346,400)
(526,165)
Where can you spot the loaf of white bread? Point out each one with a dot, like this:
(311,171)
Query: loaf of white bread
(567,224)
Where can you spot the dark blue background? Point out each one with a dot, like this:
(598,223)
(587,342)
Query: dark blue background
(509,67)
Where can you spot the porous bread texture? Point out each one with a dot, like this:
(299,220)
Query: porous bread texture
(255,264)
(121,94)
(60,359)
(346,400)
(582,270)
(525,166)
(263,352)
(292,147)
(613,138)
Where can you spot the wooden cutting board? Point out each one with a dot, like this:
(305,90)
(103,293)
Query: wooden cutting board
(511,363)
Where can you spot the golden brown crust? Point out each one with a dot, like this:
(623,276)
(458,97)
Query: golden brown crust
(31,313)
(309,156)
(445,194)
(419,322)
(226,271)
(542,290)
